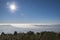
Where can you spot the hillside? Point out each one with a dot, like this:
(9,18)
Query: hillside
(30,36)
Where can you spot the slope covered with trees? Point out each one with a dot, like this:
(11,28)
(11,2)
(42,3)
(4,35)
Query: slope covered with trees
(30,36)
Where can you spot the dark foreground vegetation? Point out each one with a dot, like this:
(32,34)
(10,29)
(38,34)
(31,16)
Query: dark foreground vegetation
(30,36)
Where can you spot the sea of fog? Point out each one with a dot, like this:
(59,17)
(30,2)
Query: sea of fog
(26,28)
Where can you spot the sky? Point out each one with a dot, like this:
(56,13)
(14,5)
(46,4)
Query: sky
(30,11)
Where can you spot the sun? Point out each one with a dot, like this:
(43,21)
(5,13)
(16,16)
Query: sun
(12,7)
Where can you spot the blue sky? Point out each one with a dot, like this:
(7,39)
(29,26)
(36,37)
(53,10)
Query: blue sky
(31,11)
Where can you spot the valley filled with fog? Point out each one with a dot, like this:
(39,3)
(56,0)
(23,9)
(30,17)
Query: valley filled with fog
(28,27)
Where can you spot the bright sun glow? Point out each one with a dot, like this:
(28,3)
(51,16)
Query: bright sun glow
(12,7)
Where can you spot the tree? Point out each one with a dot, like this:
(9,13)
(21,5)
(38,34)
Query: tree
(38,33)
(15,33)
(2,33)
(30,33)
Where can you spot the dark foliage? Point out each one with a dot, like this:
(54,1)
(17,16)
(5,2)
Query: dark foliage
(2,33)
(30,36)
(30,33)
(15,33)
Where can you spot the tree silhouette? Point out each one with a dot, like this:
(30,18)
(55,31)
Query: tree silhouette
(2,33)
(30,33)
(15,33)
(38,33)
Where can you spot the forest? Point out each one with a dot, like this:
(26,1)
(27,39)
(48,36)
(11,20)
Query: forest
(46,35)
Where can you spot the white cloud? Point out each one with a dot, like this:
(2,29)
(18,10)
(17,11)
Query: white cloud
(24,25)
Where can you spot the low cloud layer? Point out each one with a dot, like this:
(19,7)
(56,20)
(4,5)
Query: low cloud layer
(10,28)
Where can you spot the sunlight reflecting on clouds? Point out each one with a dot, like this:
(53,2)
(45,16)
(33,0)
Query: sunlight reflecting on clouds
(23,25)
